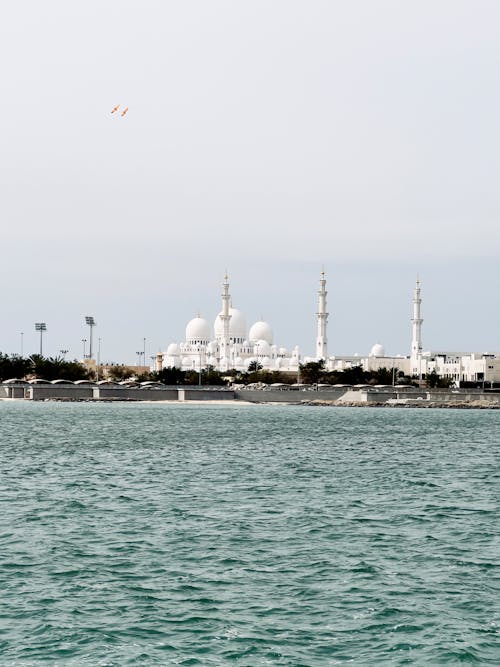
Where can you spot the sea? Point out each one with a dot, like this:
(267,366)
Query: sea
(249,535)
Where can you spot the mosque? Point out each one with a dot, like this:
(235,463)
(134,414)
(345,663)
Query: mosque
(229,345)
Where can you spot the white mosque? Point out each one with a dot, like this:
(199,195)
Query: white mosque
(230,346)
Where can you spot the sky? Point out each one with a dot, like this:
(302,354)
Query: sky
(268,138)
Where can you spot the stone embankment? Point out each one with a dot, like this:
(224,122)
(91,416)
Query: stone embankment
(341,396)
(477,405)
(386,397)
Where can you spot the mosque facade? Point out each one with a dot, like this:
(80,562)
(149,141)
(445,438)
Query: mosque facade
(228,344)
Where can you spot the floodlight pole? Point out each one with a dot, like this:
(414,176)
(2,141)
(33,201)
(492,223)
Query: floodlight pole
(91,322)
(41,327)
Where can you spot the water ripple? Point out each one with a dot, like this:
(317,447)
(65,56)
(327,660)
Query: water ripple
(250,535)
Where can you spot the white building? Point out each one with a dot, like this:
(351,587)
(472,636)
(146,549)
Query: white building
(476,367)
(228,345)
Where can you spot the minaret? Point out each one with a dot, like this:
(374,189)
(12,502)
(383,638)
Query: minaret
(322,320)
(225,317)
(416,342)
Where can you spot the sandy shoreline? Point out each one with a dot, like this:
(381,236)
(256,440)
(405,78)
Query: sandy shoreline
(472,405)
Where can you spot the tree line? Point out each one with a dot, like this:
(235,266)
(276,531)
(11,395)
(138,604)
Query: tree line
(313,372)
(38,366)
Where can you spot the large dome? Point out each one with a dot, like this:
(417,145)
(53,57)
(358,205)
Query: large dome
(377,351)
(173,350)
(237,326)
(198,331)
(261,331)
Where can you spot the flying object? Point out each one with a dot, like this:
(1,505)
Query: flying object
(124,111)
(116,108)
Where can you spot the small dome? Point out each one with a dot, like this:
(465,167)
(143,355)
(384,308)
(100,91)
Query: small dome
(212,347)
(173,350)
(261,331)
(262,348)
(198,330)
(377,351)
(237,325)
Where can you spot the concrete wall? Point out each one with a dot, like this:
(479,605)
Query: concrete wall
(287,395)
(70,392)
(464,397)
(134,394)
(11,391)
(205,395)
(40,392)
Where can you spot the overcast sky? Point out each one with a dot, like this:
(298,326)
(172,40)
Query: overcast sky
(268,137)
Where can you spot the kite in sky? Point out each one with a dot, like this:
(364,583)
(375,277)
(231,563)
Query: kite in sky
(124,111)
(116,108)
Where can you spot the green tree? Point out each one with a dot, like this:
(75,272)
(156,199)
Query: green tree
(254,366)
(119,372)
(171,375)
(57,368)
(433,380)
(312,372)
(13,367)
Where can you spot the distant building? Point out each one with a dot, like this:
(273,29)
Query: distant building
(475,367)
(229,345)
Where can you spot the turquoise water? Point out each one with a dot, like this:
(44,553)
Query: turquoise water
(248,535)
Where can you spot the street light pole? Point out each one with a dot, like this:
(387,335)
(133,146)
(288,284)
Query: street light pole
(144,351)
(22,341)
(41,327)
(84,340)
(98,359)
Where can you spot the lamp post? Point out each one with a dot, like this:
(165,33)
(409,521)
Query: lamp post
(144,351)
(91,322)
(41,327)
(98,359)
(139,355)
(84,340)
(22,341)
